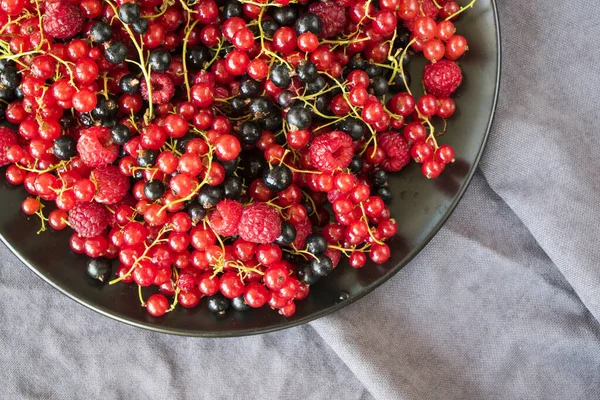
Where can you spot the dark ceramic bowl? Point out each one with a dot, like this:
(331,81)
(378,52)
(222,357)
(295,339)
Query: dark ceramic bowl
(421,206)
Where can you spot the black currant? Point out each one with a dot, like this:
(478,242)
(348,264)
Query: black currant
(277,177)
(250,132)
(116,53)
(322,103)
(196,212)
(239,304)
(260,107)
(140,26)
(287,235)
(269,27)
(232,187)
(306,71)
(159,60)
(196,56)
(356,165)
(230,166)
(130,83)
(10,78)
(306,274)
(379,86)
(120,134)
(105,108)
(379,177)
(298,117)
(385,193)
(146,158)
(285,16)
(280,75)
(355,128)
(154,189)
(272,122)
(373,70)
(252,164)
(233,9)
(309,22)
(316,244)
(101,32)
(322,265)
(218,303)
(249,88)
(316,85)
(129,12)
(285,99)
(65,147)
(210,196)
(99,269)
(66,121)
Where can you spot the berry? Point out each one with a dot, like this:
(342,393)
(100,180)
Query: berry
(331,151)
(303,229)
(99,269)
(396,150)
(442,78)
(111,185)
(96,148)
(88,219)
(332,16)
(162,88)
(7,138)
(62,19)
(225,219)
(260,223)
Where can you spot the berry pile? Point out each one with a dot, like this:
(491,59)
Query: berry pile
(234,150)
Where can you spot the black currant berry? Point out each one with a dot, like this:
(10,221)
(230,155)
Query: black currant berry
(99,269)
(233,9)
(101,32)
(398,85)
(230,166)
(218,304)
(322,265)
(285,99)
(322,103)
(105,108)
(355,128)
(285,16)
(196,57)
(116,53)
(379,86)
(379,177)
(306,274)
(249,88)
(385,193)
(280,75)
(159,60)
(306,71)
(10,78)
(120,134)
(146,158)
(232,187)
(357,63)
(129,13)
(298,117)
(278,177)
(356,165)
(66,121)
(250,132)
(309,22)
(130,83)
(140,26)
(272,122)
(316,85)
(260,107)
(196,212)
(210,196)
(65,147)
(239,304)
(252,165)
(153,190)
(316,244)
(287,235)
(373,70)
(269,27)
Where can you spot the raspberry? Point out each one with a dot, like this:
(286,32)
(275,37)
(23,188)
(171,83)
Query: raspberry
(335,255)
(162,88)
(333,18)
(260,223)
(111,185)
(225,219)
(88,219)
(442,78)
(429,10)
(331,151)
(96,148)
(396,149)
(62,19)
(186,282)
(303,229)
(7,138)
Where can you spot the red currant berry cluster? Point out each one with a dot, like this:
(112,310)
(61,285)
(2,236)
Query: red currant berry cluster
(233,150)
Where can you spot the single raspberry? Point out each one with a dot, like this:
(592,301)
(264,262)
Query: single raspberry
(331,151)
(62,20)
(429,10)
(163,89)
(260,223)
(111,185)
(7,138)
(225,219)
(303,229)
(442,78)
(186,282)
(333,18)
(96,148)
(396,149)
(88,219)
(335,255)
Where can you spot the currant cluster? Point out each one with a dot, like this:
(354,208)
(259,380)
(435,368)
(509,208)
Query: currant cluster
(233,150)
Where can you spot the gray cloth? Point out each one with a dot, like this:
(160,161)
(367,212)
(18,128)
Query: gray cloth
(502,304)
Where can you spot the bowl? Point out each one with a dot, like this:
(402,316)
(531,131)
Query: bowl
(420,206)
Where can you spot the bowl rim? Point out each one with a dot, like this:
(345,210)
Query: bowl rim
(335,307)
